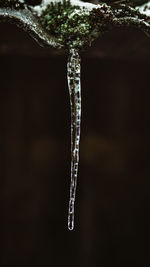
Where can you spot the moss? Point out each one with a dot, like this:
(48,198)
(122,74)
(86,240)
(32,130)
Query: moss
(127,11)
(73,26)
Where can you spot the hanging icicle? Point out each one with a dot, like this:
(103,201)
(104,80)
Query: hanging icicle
(74,85)
(76,24)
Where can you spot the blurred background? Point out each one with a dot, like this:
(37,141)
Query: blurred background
(112,204)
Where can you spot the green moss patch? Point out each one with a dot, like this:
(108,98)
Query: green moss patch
(74,26)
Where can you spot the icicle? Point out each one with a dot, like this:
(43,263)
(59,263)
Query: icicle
(73,76)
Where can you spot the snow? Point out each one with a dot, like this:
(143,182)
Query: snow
(88,6)
(144,9)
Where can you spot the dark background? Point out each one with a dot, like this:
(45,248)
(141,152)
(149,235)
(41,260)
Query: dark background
(112,205)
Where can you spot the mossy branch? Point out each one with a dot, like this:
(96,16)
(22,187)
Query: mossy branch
(66,26)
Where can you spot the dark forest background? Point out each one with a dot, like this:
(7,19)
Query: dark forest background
(113,194)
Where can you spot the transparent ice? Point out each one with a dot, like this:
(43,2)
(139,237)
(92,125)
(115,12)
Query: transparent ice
(74,85)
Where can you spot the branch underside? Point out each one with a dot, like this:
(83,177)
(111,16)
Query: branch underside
(126,16)
(137,23)
(29,23)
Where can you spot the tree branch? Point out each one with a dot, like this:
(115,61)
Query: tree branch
(25,19)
